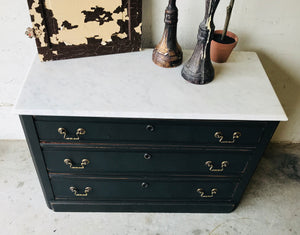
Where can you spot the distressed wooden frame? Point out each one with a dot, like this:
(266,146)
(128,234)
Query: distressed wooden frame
(45,25)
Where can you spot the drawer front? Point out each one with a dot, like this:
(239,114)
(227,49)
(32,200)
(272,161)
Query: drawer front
(158,131)
(140,189)
(147,162)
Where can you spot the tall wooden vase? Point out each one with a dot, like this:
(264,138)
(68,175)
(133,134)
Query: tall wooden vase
(168,53)
(199,69)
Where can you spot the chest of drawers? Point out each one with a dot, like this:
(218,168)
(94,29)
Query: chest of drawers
(119,153)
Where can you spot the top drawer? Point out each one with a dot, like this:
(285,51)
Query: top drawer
(64,129)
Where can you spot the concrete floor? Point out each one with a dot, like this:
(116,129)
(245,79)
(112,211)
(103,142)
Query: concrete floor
(270,205)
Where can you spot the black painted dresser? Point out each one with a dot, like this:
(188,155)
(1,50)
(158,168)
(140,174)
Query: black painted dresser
(119,134)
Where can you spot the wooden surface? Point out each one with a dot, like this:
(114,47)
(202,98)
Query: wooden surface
(168,52)
(199,69)
(66,30)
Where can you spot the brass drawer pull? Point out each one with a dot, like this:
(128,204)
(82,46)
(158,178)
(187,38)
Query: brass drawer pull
(85,194)
(202,193)
(84,162)
(235,136)
(63,131)
(224,164)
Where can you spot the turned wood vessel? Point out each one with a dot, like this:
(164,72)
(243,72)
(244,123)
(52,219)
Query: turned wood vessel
(168,52)
(199,69)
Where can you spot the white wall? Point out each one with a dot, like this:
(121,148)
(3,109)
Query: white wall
(16,52)
(266,27)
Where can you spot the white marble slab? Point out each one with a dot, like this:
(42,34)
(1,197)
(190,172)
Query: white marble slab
(130,85)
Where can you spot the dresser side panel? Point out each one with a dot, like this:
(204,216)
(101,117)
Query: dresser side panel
(268,133)
(37,157)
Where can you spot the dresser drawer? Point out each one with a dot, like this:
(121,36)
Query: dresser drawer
(147,162)
(140,189)
(144,130)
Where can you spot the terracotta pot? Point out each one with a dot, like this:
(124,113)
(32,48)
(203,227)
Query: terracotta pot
(219,52)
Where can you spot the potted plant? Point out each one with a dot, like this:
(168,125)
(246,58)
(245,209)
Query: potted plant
(223,41)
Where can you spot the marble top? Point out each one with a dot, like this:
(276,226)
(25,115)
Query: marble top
(130,85)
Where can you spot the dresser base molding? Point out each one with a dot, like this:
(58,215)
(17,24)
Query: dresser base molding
(152,207)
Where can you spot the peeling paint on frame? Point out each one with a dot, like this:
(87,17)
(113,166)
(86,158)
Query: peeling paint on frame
(78,28)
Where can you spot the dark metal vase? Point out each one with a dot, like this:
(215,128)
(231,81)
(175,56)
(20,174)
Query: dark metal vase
(199,69)
(168,53)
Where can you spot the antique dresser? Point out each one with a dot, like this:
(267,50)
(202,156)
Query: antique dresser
(119,134)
